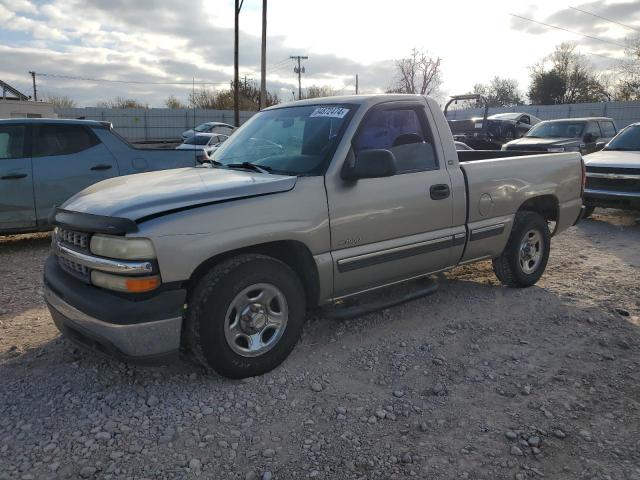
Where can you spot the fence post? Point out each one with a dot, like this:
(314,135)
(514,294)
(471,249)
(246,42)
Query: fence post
(146,130)
(604,109)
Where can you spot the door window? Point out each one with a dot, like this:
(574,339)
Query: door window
(525,119)
(593,129)
(400,131)
(11,141)
(608,129)
(61,139)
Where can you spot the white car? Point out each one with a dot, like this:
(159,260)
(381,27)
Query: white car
(207,143)
(209,127)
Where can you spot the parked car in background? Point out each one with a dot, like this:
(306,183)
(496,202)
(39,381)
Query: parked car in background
(462,146)
(307,204)
(584,135)
(613,174)
(204,144)
(209,127)
(43,162)
(499,128)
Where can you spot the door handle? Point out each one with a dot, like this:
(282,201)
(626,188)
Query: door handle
(439,191)
(101,167)
(13,176)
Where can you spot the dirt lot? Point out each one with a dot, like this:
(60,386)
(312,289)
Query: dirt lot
(477,381)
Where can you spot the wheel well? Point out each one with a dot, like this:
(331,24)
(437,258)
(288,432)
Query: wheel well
(295,254)
(545,205)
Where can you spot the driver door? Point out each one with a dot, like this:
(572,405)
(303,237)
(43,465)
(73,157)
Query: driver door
(392,228)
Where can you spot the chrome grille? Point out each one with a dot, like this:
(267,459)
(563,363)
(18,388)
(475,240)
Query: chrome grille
(70,237)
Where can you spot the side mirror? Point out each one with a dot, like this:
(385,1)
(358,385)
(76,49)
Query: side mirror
(600,145)
(375,163)
(588,138)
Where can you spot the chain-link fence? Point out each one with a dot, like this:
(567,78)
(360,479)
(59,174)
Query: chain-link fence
(623,113)
(152,124)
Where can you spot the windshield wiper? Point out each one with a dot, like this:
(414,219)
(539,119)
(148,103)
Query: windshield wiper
(251,166)
(620,149)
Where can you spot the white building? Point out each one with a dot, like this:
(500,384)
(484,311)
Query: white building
(14,104)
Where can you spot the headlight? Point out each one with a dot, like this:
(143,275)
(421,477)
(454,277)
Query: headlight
(122,247)
(125,284)
(555,149)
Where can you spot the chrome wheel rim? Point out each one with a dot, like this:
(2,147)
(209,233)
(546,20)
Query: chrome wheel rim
(531,251)
(256,320)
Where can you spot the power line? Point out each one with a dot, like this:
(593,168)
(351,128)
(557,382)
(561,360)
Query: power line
(133,82)
(604,18)
(569,31)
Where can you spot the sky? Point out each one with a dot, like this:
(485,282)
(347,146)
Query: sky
(172,41)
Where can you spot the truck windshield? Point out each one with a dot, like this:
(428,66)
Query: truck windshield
(292,140)
(557,130)
(627,140)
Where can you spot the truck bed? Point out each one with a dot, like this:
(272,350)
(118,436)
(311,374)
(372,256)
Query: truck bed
(473,155)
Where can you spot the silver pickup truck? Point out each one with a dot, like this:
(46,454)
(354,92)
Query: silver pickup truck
(306,204)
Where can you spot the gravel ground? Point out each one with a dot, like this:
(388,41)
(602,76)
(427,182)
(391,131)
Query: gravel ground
(477,381)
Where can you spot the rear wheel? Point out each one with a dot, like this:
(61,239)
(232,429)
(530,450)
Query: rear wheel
(246,315)
(525,257)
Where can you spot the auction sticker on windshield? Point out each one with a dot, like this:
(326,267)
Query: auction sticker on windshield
(329,112)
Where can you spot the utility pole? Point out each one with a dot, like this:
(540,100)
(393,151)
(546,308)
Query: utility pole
(356,84)
(299,70)
(236,80)
(35,92)
(263,61)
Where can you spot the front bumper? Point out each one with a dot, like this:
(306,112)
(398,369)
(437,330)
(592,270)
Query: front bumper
(146,330)
(612,199)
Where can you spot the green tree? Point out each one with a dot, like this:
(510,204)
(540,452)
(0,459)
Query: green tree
(565,76)
(500,92)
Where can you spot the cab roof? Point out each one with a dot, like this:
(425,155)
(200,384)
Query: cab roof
(57,121)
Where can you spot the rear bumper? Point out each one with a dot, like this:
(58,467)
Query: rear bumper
(612,199)
(146,331)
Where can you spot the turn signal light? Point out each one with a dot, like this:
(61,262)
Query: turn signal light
(138,285)
(121,283)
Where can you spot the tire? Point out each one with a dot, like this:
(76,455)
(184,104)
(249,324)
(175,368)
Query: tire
(519,265)
(230,315)
(588,211)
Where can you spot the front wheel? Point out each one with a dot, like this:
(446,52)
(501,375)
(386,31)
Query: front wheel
(525,257)
(246,315)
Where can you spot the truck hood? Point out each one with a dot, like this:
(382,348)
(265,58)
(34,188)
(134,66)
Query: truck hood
(559,142)
(144,194)
(613,158)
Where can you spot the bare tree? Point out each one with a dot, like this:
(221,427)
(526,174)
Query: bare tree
(418,73)
(628,86)
(248,96)
(61,101)
(121,102)
(315,91)
(173,103)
